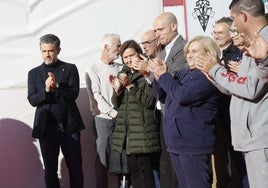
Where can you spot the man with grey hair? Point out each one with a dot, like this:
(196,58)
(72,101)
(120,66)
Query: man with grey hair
(229,165)
(249,124)
(100,93)
(53,88)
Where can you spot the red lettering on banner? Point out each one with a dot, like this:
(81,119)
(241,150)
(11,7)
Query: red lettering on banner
(172,2)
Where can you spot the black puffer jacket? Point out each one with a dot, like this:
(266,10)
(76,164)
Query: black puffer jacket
(136,128)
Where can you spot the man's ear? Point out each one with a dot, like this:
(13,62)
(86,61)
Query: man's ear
(106,46)
(58,50)
(174,26)
(244,16)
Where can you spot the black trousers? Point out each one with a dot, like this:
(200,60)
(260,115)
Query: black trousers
(141,169)
(50,144)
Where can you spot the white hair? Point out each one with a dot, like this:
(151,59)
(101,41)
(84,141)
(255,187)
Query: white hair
(109,39)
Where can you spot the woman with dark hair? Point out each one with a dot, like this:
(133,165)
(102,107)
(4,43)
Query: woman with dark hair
(136,129)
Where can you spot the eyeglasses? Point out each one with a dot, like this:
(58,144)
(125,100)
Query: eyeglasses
(234,32)
(147,42)
(218,33)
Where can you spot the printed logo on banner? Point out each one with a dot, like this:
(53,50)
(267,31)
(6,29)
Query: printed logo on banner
(203,12)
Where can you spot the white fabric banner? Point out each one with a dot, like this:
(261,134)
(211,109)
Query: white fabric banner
(79,24)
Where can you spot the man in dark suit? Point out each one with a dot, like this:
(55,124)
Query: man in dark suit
(166,29)
(229,165)
(53,88)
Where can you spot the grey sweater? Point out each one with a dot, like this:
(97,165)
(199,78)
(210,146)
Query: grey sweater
(249,102)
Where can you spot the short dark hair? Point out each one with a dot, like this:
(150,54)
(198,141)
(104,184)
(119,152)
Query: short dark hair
(50,38)
(253,7)
(130,44)
(226,20)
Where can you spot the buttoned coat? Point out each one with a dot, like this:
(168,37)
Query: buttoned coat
(67,76)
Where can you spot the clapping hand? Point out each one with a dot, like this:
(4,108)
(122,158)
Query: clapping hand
(115,83)
(234,66)
(158,67)
(50,82)
(205,63)
(123,79)
(141,64)
(256,48)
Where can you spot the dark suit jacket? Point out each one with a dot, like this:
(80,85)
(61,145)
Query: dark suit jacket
(175,60)
(67,76)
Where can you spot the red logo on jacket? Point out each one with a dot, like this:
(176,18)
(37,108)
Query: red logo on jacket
(232,77)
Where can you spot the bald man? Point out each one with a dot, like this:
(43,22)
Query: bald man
(150,44)
(166,32)
(151,49)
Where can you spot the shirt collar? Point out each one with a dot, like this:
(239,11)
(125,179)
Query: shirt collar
(169,46)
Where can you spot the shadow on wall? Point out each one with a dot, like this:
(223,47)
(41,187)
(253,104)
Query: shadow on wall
(20,162)
(20,165)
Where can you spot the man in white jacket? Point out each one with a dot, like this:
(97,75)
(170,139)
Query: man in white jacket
(100,93)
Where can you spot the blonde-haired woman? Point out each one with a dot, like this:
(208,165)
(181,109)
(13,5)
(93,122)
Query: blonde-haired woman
(191,102)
